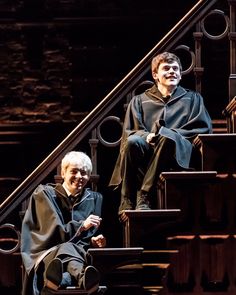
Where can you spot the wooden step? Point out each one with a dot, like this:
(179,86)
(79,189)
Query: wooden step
(171,183)
(206,258)
(144,265)
(125,289)
(206,200)
(108,259)
(152,290)
(131,270)
(141,225)
(75,291)
(158,255)
(218,152)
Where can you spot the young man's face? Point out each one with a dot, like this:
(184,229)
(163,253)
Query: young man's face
(167,75)
(75,177)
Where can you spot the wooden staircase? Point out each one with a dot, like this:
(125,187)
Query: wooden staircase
(187,246)
(132,270)
(197,221)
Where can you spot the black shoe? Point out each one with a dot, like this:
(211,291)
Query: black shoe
(54,274)
(89,280)
(143,202)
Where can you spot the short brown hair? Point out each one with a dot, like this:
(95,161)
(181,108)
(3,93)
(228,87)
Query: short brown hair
(165,57)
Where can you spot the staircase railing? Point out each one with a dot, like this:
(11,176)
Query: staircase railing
(92,120)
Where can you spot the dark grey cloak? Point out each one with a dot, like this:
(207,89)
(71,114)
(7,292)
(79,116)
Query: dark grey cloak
(183,117)
(52,227)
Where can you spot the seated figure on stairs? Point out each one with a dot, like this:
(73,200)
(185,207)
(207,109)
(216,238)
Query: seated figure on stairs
(159,128)
(62,221)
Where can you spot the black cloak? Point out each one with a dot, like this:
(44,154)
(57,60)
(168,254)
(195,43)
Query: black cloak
(182,118)
(52,227)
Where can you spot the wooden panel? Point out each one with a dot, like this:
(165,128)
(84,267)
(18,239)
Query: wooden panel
(214,258)
(142,226)
(182,272)
(206,200)
(218,152)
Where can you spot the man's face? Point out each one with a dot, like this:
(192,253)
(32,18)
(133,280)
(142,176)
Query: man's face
(75,177)
(168,75)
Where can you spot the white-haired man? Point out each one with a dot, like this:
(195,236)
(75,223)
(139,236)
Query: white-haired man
(60,224)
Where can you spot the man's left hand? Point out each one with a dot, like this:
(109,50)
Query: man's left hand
(99,241)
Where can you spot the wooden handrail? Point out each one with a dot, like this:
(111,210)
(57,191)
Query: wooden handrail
(231,107)
(102,109)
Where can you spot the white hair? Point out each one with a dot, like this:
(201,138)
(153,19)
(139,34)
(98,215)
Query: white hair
(75,156)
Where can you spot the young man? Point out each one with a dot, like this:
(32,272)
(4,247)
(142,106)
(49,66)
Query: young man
(59,226)
(159,127)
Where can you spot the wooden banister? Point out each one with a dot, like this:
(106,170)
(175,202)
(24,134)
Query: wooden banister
(103,108)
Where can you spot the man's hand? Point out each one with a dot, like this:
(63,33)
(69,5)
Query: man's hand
(92,220)
(150,138)
(99,241)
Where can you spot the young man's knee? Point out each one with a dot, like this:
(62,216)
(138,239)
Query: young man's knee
(135,141)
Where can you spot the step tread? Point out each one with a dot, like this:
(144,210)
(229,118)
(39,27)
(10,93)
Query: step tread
(188,175)
(152,213)
(143,265)
(116,251)
(217,136)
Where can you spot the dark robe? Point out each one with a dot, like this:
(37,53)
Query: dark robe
(52,227)
(180,118)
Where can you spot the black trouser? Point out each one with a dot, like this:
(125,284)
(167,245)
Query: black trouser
(142,166)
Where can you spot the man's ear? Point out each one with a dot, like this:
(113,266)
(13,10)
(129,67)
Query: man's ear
(154,75)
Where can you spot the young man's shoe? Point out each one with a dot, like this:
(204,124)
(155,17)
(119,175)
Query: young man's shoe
(143,201)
